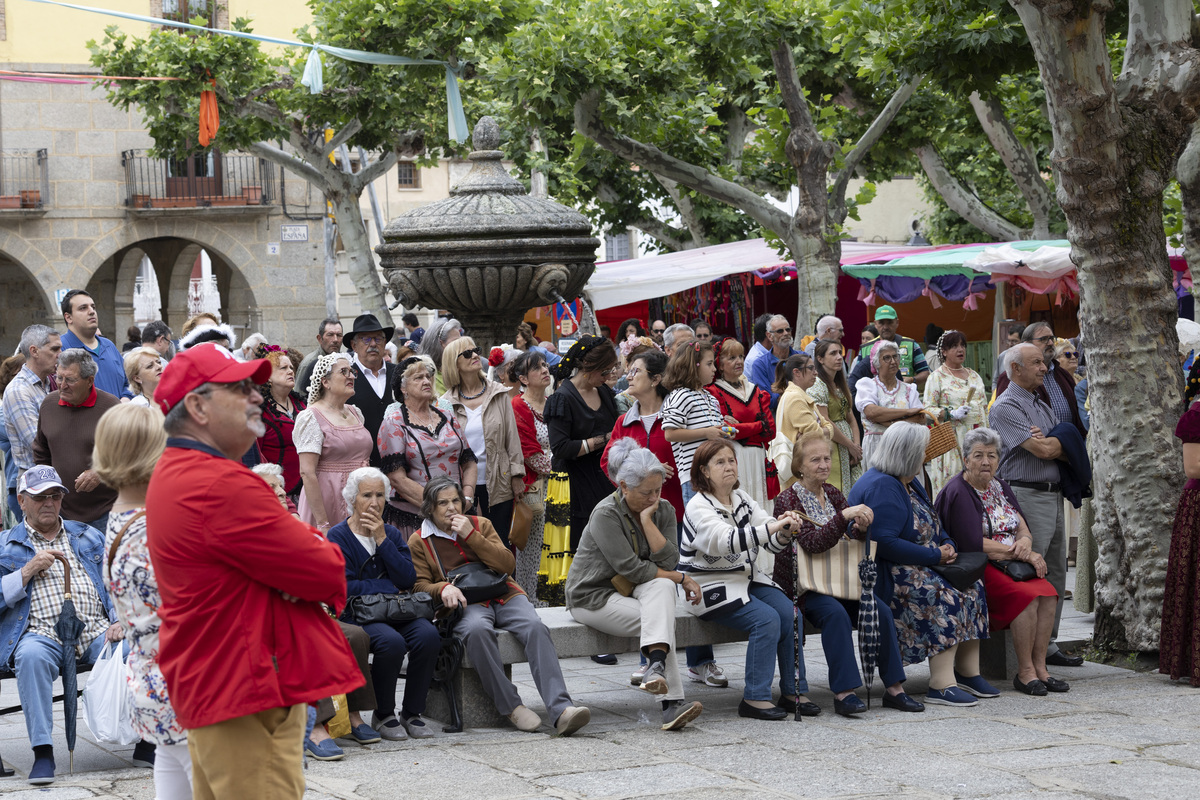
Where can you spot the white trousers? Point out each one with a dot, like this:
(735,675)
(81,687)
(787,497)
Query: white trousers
(648,614)
(172,772)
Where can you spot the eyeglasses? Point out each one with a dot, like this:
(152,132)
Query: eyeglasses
(345,372)
(1071,355)
(782,330)
(809,368)
(474,351)
(892,357)
(613,370)
(1044,339)
(68,382)
(368,338)
(633,372)
(244,388)
(45,498)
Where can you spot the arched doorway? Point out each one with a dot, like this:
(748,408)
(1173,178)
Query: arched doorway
(124,286)
(22,303)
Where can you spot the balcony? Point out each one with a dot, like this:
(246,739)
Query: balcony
(24,180)
(210,180)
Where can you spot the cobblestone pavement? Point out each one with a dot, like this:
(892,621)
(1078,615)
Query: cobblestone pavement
(1116,734)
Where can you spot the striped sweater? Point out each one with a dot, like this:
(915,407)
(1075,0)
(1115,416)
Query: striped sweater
(716,539)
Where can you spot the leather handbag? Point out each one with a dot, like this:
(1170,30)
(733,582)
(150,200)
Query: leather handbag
(477,581)
(522,521)
(834,572)
(964,571)
(1017,570)
(387,607)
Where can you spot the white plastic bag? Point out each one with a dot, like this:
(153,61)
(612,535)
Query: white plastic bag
(107,702)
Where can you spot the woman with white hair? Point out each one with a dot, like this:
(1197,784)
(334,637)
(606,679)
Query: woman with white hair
(143,368)
(378,561)
(934,620)
(982,514)
(331,441)
(885,398)
(622,581)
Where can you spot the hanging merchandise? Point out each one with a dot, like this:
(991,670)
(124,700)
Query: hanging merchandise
(210,118)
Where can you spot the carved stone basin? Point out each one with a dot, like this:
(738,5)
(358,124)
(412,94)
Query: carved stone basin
(489,252)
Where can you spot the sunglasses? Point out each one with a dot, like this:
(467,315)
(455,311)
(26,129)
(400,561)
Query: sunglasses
(244,388)
(782,330)
(45,498)
(1071,355)
(474,351)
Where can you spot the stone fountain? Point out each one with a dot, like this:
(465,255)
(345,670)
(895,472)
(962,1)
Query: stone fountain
(489,252)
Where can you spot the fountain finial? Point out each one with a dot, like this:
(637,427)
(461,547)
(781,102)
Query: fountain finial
(486,135)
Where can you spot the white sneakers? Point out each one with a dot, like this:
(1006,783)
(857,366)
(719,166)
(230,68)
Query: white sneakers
(709,674)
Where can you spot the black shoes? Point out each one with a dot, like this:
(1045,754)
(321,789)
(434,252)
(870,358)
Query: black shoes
(1061,659)
(1053,684)
(608,659)
(1035,687)
(902,702)
(772,714)
(806,709)
(849,705)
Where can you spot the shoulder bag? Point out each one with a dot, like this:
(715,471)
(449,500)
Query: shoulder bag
(965,570)
(387,607)
(1017,570)
(477,581)
(834,572)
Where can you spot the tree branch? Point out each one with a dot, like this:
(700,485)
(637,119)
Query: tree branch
(290,162)
(962,200)
(589,124)
(670,236)
(1188,173)
(1022,166)
(870,138)
(807,152)
(367,175)
(738,127)
(687,210)
(247,106)
(341,137)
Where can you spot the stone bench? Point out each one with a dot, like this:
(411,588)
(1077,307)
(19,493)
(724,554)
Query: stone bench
(571,640)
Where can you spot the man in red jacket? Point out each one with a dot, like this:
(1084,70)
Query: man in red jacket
(245,643)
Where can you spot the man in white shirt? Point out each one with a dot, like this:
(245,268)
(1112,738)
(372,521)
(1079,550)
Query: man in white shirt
(372,375)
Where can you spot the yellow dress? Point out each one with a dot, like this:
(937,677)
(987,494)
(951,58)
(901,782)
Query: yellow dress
(556,541)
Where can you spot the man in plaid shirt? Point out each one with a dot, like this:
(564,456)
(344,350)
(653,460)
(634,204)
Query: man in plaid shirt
(40,344)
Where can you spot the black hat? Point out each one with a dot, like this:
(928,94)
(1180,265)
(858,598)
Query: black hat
(366,323)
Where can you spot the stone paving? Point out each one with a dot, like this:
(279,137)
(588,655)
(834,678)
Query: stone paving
(1116,734)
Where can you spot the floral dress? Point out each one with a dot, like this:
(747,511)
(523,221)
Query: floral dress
(944,390)
(422,454)
(842,473)
(931,615)
(134,593)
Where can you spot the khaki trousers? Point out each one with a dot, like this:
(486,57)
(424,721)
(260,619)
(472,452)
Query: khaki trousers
(257,756)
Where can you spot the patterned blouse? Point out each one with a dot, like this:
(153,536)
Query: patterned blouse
(1000,519)
(134,592)
(422,454)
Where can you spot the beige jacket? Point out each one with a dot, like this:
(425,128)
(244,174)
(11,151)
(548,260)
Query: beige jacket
(500,439)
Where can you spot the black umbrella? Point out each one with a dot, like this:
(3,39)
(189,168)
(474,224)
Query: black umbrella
(69,627)
(868,619)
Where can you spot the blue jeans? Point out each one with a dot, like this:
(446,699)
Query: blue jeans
(37,660)
(768,620)
(832,616)
(14,506)
(700,654)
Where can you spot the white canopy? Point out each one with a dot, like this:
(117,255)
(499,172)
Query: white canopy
(616,283)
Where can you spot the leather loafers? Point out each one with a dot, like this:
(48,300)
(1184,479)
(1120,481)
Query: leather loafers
(773,714)
(849,706)
(806,709)
(1053,684)
(1034,687)
(902,702)
(1061,659)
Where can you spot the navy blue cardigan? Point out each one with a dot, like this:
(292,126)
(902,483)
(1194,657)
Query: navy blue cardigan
(390,570)
(892,530)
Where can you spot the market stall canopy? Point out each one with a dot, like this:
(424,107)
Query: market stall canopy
(616,283)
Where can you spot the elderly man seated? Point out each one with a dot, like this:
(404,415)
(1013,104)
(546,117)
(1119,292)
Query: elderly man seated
(32,585)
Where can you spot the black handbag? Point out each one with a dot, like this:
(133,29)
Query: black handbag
(477,581)
(964,572)
(388,607)
(1017,570)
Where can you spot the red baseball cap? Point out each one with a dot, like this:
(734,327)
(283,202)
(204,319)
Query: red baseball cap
(205,363)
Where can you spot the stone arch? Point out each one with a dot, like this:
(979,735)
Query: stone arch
(23,302)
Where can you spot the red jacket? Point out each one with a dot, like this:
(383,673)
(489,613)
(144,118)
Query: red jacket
(656,443)
(224,552)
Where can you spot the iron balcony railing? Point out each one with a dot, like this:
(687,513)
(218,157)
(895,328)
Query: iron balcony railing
(24,179)
(205,180)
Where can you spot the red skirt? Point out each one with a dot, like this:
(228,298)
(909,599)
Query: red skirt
(1006,598)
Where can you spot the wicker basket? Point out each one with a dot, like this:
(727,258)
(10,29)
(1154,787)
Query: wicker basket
(941,440)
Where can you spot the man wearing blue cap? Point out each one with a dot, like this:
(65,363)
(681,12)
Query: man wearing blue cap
(913,368)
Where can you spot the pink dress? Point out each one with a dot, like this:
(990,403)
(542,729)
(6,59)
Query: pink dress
(342,450)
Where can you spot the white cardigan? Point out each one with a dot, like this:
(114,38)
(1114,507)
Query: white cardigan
(725,551)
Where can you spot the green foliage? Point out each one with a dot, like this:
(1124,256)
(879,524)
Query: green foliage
(1173,215)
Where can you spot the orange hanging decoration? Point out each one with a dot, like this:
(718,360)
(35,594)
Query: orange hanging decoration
(210,119)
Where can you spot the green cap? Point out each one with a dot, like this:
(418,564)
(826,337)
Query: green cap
(885,312)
